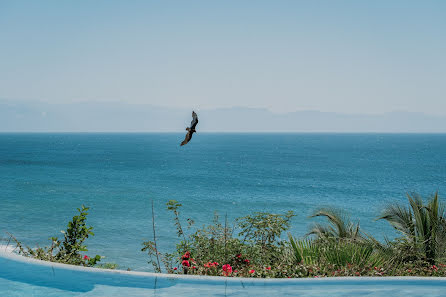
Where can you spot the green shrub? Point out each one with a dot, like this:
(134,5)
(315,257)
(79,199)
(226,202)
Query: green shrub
(215,249)
(69,250)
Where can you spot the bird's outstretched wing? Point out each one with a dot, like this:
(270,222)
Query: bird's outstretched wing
(187,138)
(194,120)
(191,129)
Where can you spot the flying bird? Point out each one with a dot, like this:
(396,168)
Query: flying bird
(190,130)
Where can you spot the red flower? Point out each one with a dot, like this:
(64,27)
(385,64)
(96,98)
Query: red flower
(210,264)
(186,256)
(227,269)
(268,268)
(239,255)
(246,261)
(252,271)
(185,263)
(175,268)
(193,267)
(434,267)
(86,257)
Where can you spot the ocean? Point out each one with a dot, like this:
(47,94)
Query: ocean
(44,177)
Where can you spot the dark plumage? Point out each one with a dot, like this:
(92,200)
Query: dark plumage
(190,130)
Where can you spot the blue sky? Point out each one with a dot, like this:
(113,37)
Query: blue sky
(334,56)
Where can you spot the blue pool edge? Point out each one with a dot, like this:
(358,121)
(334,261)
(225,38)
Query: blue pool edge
(218,280)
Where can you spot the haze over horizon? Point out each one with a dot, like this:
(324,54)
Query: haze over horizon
(31,116)
(334,57)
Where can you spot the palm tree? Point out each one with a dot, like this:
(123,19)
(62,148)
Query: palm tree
(339,227)
(423,226)
(340,242)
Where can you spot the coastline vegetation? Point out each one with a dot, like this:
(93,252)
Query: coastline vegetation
(253,246)
(70,249)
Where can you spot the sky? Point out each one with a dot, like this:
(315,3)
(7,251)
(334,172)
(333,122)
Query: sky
(365,57)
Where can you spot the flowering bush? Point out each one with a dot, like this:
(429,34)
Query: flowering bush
(69,250)
(339,249)
(200,252)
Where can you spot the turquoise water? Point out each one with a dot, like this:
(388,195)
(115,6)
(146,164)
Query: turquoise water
(45,177)
(20,278)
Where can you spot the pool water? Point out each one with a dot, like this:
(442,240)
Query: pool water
(20,276)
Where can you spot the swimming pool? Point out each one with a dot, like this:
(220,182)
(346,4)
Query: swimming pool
(21,276)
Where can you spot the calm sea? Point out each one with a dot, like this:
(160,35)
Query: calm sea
(45,177)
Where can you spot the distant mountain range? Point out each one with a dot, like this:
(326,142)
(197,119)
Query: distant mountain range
(32,116)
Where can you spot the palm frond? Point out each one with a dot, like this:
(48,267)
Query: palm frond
(335,218)
(339,226)
(423,227)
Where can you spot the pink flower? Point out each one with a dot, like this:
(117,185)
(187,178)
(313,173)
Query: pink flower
(252,271)
(227,269)
(86,257)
